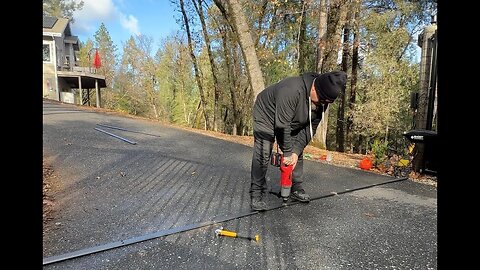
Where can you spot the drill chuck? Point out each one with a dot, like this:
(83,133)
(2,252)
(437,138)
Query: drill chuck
(285,191)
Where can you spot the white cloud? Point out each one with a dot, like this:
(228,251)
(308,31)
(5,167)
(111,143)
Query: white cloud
(130,23)
(94,12)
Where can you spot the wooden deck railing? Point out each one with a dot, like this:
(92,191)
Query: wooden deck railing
(78,69)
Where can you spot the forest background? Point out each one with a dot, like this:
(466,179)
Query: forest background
(208,75)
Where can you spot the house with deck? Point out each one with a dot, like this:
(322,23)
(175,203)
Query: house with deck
(63,79)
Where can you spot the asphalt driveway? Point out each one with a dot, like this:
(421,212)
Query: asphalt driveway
(136,194)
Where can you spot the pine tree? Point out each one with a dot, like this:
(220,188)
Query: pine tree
(61,8)
(107,51)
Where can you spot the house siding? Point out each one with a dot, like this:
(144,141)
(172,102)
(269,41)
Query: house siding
(49,81)
(58,50)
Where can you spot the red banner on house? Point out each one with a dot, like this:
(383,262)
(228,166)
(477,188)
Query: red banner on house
(96,62)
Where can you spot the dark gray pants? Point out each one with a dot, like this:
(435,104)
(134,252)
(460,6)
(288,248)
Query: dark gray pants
(262,150)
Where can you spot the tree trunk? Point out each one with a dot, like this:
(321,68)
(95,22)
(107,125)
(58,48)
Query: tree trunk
(231,80)
(194,122)
(301,38)
(149,88)
(320,137)
(246,44)
(335,23)
(213,67)
(340,131)
(155,111)
(322,31)
(195,66)
(353,76)
(329,50)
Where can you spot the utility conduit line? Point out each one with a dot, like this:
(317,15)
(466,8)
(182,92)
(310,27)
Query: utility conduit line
(225,218)
(124,129)
(134,240)
(334,193)
(116,136)
(373,185)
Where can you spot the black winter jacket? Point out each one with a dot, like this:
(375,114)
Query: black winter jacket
(281,112)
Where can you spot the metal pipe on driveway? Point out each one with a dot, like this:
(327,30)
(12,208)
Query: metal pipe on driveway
(116,136)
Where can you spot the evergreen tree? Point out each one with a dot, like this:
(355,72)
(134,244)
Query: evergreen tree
(388,75)
(107,51)
(61,8)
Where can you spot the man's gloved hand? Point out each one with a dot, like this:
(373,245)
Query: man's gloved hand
(291,160)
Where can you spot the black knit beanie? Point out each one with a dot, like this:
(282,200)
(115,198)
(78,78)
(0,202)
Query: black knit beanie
(329,85)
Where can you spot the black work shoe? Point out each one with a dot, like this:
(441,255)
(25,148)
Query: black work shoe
(300,195)
(258,204)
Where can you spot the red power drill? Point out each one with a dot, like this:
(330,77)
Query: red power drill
(286,175)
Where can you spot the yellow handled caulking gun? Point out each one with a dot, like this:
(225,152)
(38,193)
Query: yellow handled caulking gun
(222,232)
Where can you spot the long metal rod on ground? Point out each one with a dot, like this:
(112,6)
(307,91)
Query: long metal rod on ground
(134,240)
(124,129)
(341,192)
(116,136)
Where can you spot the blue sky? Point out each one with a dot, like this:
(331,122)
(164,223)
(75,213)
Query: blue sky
(123,18)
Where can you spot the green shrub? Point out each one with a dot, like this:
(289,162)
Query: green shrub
(379,150)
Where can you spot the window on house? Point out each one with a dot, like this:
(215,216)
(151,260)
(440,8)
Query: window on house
(46,53)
